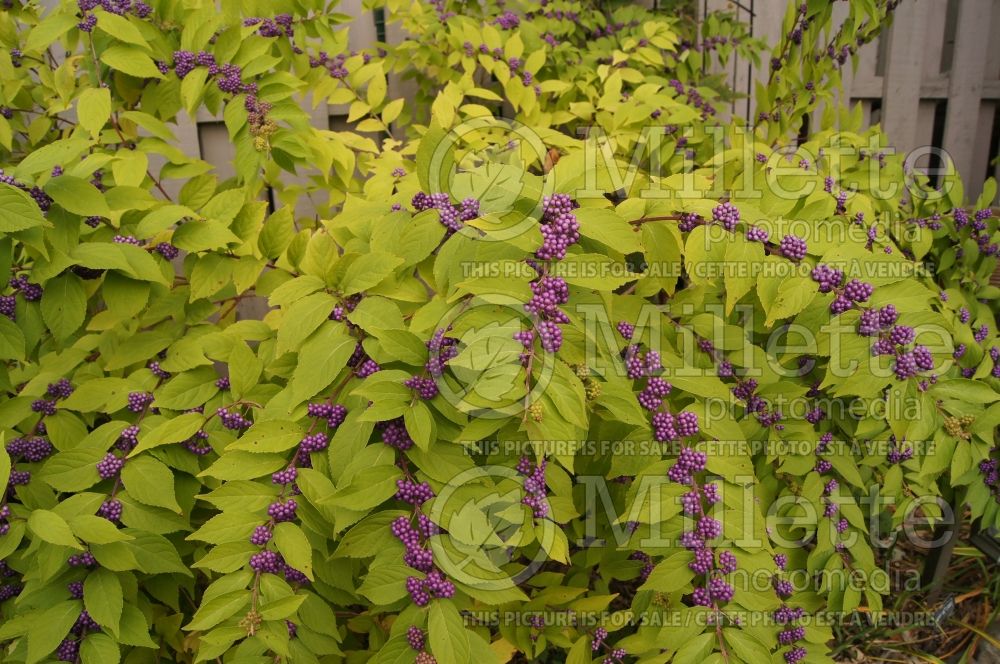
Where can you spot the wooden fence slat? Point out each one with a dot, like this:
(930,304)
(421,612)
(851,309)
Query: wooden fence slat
(966,85)
(903,74)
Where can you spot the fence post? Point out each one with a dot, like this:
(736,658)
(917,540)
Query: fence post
(904,74)
(965,89)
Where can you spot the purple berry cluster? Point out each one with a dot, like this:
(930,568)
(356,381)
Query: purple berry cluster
(426,388)
(830,280)
(233,419)
(442,349)
(110,466)
(280,25)
(31,292)
(85,559)
(31,449)
(894,339)
(726,214)
(285,477)
(559,228)
(412,492)
(344,307)
(316,442)
(138,401)
(267,562)
(451,216)
(705,563)
(433,586)
(793,247)
(88,20)
(167,250)
(394,434)
(548,293)
(280,511)
(419,556)
(535,495)
(42,200)
(111,510)
(758,234)
(990,470)
(694,98)
(416,637)
(898,454)
(334,414)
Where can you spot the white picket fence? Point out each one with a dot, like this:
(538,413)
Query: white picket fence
(932,79)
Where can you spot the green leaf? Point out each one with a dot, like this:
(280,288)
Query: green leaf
(367,271)
(52,528)
(94,106)
(964,389)
(321,359)
(77,196)
(121,29)
(64,305)
(244,369)
(175,430)
(244,466)
(159,556)
(187,390)
(403,345)
(448,637)
(695,650)
(54,26)
(385,583)
(150,482)
(11,340)
(4,463)
(670,574)
(608,228)
(50,627)
(18,211)
(96,530)
(102,595)
(215,611)
(130,60)
(747,647)
(301,319)
(269,436)
(134,630)
(294,547)
(420,424)
(203,236)
(99,649)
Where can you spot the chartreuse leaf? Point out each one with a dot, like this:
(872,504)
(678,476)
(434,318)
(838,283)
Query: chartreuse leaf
(49,627)
(77,196)
(321,358)
(218,609)
(244,369)
(52,528)
(171,431)
(150,482)
(4,462)
(94,106)
(102,595)
(293,545)
(64,305)
(447,635)
(17,211)
(99,649)
(269,436)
